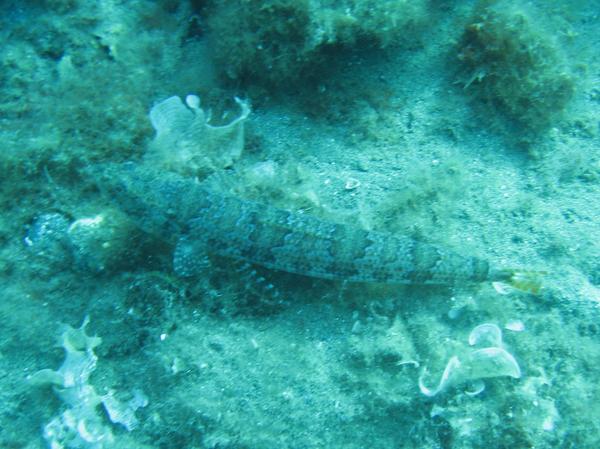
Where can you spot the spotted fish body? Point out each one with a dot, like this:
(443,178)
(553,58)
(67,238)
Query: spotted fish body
(198,222)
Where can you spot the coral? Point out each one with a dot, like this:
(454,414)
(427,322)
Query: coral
(510,64)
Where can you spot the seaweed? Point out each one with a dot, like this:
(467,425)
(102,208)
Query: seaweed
(513,70)
(273,43)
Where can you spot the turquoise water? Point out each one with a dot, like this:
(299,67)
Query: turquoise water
(471,126)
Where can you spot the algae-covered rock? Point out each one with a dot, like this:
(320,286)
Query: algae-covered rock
(47,241)
(277,41)
(102,242)
(511,66)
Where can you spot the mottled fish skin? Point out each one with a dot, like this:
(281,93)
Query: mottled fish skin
(175,208)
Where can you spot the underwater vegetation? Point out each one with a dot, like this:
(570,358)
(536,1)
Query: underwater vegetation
(513,70)
(280,41)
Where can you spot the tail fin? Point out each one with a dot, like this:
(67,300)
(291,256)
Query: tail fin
(522,280)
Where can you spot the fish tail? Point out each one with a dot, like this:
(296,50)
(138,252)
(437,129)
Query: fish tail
(528,281)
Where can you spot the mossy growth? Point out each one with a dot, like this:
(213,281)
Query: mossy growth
(276,42)
(509,64)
